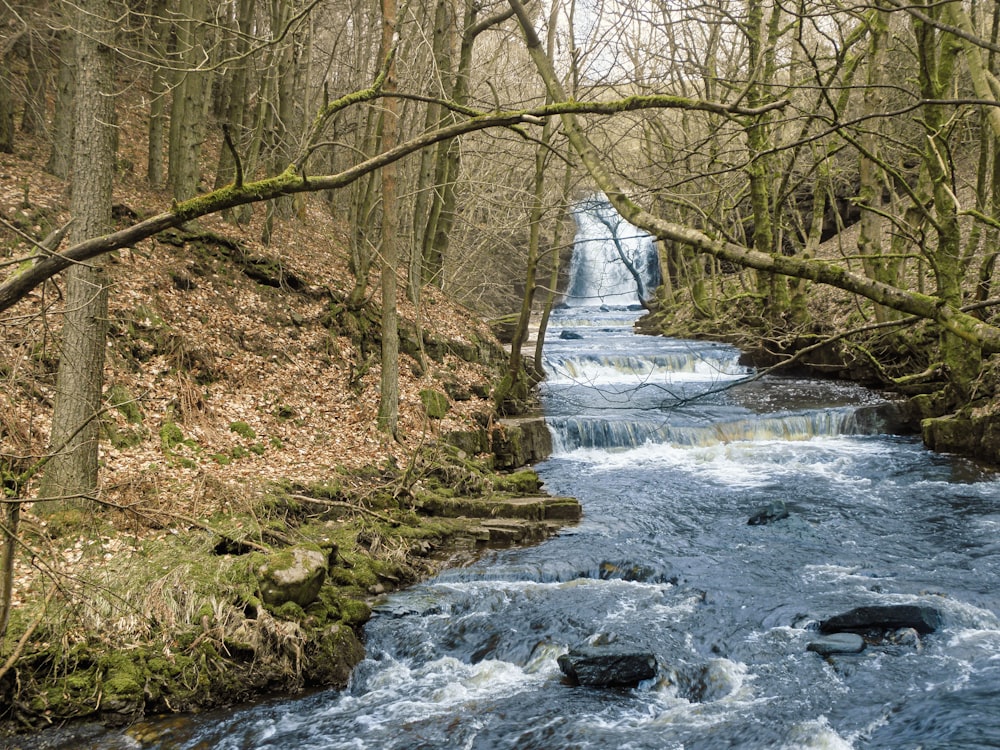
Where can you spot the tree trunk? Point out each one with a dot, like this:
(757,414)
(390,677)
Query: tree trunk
(72,471)
(938,53)
(773,290)
(6,117)
(514,368)
(283,128)
(236,82)
(419,274)
(188,108)
(60,161)
(388,409)
(39,63)
(157,94)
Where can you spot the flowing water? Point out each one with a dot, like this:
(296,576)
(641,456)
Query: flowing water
(670,450)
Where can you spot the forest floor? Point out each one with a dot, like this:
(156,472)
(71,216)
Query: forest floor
(241,398)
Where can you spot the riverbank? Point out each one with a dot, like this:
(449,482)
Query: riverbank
(269,599)
(239,434)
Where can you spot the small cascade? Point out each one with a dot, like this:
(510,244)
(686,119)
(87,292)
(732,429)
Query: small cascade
(605,368)
(570,433)
(614,263)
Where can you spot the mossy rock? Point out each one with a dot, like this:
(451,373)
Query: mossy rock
(524,482)
(331,655)
(292,575)
(470,442)
(436,404)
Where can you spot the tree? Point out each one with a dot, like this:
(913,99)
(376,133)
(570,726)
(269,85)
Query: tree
(189,106)
(61,155)
(388,410)
(72,471)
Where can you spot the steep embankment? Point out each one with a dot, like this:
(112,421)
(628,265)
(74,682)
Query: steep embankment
(249,509)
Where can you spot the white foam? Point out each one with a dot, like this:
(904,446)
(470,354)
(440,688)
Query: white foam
(816,734)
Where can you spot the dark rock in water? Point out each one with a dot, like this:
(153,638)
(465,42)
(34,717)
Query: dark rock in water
(837,643)
(635,308)
(605,308)
(396,609)
(921,618)
(608,666)
(570,335)
(630,571)
(773,511)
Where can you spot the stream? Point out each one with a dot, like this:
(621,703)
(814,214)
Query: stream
(671,448)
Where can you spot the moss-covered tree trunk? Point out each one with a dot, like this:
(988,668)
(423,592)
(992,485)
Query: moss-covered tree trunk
(759,32)
(938,53)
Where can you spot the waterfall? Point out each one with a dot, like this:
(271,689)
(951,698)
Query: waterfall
(614,263)
(607,388)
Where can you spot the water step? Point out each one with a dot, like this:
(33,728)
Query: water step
(538,508)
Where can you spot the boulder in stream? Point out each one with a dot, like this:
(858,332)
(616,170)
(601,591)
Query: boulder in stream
(570,335)
(922,618)
(837,643)
(609,665)
(773,511)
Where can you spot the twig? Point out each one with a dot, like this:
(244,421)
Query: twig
(342,504)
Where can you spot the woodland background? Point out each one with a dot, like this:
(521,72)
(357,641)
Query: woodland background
(240,240)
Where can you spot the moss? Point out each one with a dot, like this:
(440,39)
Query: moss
(204,611)
(243,430)
(66,520)
(122,439)
(355,612)
(119,397)
(436,404)
(524,482)
(258,448)
(222,459)
(170,436)
(238,451)
(288,611)
(124,676)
